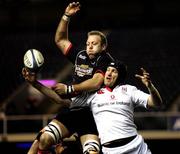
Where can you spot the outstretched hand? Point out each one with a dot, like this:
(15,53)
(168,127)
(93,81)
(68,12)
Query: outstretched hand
(59,88)
(145,78)
(28,76)
(72,8)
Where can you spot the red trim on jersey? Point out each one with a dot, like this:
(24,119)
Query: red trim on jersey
(100,92)
(108,88)
(68,49)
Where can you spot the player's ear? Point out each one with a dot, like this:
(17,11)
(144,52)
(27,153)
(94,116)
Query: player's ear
(104,46)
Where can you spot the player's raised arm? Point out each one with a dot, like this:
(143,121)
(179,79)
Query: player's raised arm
(155,99)
(61,36)
(52,95)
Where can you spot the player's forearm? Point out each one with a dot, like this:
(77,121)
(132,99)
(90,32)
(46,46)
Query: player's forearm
(155,98)
(62,30)
(88,85)
(48,92)
(91,84)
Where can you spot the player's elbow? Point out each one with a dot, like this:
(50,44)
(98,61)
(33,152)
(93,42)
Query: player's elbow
(58,41)
(156,103)
(59,36)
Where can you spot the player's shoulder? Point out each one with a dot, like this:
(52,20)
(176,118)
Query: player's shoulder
(105,57)
(82,54)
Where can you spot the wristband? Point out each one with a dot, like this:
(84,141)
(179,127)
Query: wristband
(69,89)
(66,17)
(66,14)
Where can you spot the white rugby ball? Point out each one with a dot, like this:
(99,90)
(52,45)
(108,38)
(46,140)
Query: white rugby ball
(33,60)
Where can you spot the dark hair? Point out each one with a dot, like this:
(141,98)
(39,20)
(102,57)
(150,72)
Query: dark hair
(122,70)
(102,35)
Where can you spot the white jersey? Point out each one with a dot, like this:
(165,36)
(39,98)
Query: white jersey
(113,111)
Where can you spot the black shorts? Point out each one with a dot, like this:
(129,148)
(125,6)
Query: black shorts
(78,120)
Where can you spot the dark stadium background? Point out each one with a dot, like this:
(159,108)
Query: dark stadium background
(141,33)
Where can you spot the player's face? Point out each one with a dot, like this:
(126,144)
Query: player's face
(111,76)
(94,46)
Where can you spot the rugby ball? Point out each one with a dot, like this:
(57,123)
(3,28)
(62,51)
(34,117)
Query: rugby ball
(33,60)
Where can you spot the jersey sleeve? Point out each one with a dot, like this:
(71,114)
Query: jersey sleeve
(139,97)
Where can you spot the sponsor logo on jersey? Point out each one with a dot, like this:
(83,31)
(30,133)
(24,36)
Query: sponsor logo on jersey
(82,70)
(113,103)
(112,97)
(124,89)
(82,57)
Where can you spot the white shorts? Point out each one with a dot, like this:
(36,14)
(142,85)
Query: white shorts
(136,146)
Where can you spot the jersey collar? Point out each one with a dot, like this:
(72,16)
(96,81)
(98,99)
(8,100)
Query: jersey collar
(108,88)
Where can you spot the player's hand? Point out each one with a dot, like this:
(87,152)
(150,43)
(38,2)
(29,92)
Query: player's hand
(59,148)
(72,8)
(60,88)
(145,78)
(28,76)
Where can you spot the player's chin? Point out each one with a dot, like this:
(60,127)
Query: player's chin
(91,56)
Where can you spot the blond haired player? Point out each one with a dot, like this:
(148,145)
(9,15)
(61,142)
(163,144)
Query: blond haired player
(90,66)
